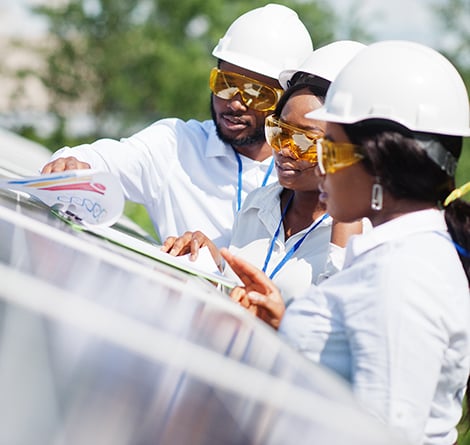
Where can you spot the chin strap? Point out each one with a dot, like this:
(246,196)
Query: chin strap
(438,154)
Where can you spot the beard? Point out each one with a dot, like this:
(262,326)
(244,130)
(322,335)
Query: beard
(256,137)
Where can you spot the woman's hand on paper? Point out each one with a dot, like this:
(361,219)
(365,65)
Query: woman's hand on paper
(190,243)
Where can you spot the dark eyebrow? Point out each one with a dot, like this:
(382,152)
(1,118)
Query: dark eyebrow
(317,129)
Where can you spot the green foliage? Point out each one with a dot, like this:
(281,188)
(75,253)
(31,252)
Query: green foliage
(130,62)
(463,167)
(138,213)
(464,428)
(455,17)
(464,438)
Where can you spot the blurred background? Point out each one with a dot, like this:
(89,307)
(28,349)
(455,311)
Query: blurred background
(76,70)
(73,71)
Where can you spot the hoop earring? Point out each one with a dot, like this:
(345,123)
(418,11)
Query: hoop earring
(377,197)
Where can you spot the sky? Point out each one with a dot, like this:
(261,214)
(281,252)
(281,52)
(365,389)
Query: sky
(385,19)
(395,19)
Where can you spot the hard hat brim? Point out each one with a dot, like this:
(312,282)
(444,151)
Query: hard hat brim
(321,114)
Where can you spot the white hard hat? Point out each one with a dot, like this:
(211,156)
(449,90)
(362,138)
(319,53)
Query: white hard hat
(400,81)
(266,40)
(325,62)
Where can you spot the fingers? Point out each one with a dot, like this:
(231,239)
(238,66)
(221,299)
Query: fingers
(250,275)
(238,295)
(49,166)
(189,242)
(168,244)
(200,240)
(62,164)
(195,244)
(270,308)
(181,245)
(271,319)
(259,295)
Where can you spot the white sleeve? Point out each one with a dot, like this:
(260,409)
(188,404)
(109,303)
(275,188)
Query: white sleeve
(90,153)
(141,162)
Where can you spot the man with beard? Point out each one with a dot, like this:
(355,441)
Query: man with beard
(193,175)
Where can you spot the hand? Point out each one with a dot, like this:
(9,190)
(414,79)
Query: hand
(62,164)
(191,242)
(259,295)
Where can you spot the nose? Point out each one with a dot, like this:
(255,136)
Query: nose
(318,172)
(287,152)
(236,103)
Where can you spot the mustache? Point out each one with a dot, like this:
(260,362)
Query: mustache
(235,118)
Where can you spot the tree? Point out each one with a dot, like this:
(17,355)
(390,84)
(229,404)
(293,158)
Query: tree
(127,63)
(455,17)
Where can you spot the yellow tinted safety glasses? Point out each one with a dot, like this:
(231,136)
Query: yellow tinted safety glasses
(301,143)
(255,95)
(334,156)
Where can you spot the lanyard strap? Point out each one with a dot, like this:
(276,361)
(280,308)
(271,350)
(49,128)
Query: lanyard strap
(240,177)
(461,250)
(268,172)
(293,249)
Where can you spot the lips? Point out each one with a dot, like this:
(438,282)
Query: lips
(233,119)
(234,123)
(287,170)
(287,167)
(287,164)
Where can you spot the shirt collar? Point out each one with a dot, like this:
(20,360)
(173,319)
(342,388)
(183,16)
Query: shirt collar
(267,202)
(215,147)
(271,194)
(430,220)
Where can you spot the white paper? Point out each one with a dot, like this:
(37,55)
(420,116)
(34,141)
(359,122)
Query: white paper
(90,196)
(204,265)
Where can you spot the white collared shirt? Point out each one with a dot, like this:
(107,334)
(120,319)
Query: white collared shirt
(184,175)
(254,228)
(395,322)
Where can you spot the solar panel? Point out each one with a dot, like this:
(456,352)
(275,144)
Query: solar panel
(102,345)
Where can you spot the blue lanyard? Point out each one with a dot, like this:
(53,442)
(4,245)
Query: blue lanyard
(461,250)
(240,177)
(294,248)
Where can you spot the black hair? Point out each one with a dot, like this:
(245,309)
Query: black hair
(301,77)
(299,81)
(393,154)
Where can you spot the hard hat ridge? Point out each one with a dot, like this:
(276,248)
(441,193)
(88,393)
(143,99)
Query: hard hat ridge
(266,40)
(403,82)
(325,62)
